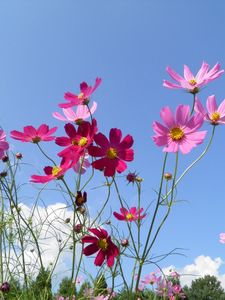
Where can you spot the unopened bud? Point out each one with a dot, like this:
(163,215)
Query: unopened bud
(67,220)
(81,210)
(78,228)
(19,155)
(108,222)
(3,174)
(125,243)
(168,176)
(5,287)
(5,158)
(81,199)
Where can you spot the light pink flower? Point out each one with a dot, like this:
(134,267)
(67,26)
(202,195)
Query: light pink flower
(3,144)
(150,279)
(180,132)
(82,164)
(190,82)
(222,238)
(214,114)
(83,97)
(82,112)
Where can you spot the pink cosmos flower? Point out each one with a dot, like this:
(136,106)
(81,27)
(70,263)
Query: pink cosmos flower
(150,279)
(222,238)
(55,172)
(83,98)
(180,132)
(30,134)
(82,164)
(102,244)
(133,214)
(214,114)
(190,82)
(77,141)
(77,116)
(113,152)
(3,144)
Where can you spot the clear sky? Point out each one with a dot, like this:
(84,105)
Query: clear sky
(49,47)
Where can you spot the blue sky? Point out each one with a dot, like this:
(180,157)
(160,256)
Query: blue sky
(49,47)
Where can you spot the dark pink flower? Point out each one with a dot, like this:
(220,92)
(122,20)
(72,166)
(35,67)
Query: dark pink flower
(83,97)
(113,152)
(133,214)
(190,82)
(77,141)
(180,132)
(102,244)
(30,134)
(3,144)
(55,172)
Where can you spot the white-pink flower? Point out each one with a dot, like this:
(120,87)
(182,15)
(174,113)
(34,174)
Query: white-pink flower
(190,82)
(214,114)
(82,113)
(3,144)
(180,132)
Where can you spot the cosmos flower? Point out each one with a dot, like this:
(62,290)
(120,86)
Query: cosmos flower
(3,144)
(190,82)
(77,140)
(30,134)
(102,244)
(82,112)
(214,114)
(222,238)
(113,152)
(52,173)
(150,279)
(180,132)
(133,214)
(83,97)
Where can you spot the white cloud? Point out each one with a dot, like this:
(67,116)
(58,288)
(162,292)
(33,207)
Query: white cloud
(203,265)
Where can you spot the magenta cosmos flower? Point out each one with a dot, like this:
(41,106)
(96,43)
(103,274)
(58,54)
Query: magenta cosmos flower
(82,112)
(30,134)
(180,132)
(113,152)
(214,114)
(133,214)
(190,82)
(102,244)
(83,97)
(77,141)
(52,173)
(3,144)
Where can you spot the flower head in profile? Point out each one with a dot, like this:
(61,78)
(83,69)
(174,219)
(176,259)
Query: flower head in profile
(101,243)
(214,114)
(222,237)
(150,279)
(133,214)
(3,144)
(82,113)
(180,131)
(113,152)
(190,82)
(52,173)
(83,97)
(30,134)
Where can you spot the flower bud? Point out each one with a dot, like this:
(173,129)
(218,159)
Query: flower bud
(5,287)
(80,199)
(19,155)
(168,176)
(81,210)
(78,228)
(125,242)
(67,220)
(5,158)
(3,174)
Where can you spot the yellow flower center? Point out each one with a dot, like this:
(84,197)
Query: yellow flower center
(56,170)
(36,139)
(215,117)
(80,96)
(192,82)
(111,153)
(176,133)
(102,244)
(129,216)
(82,142)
